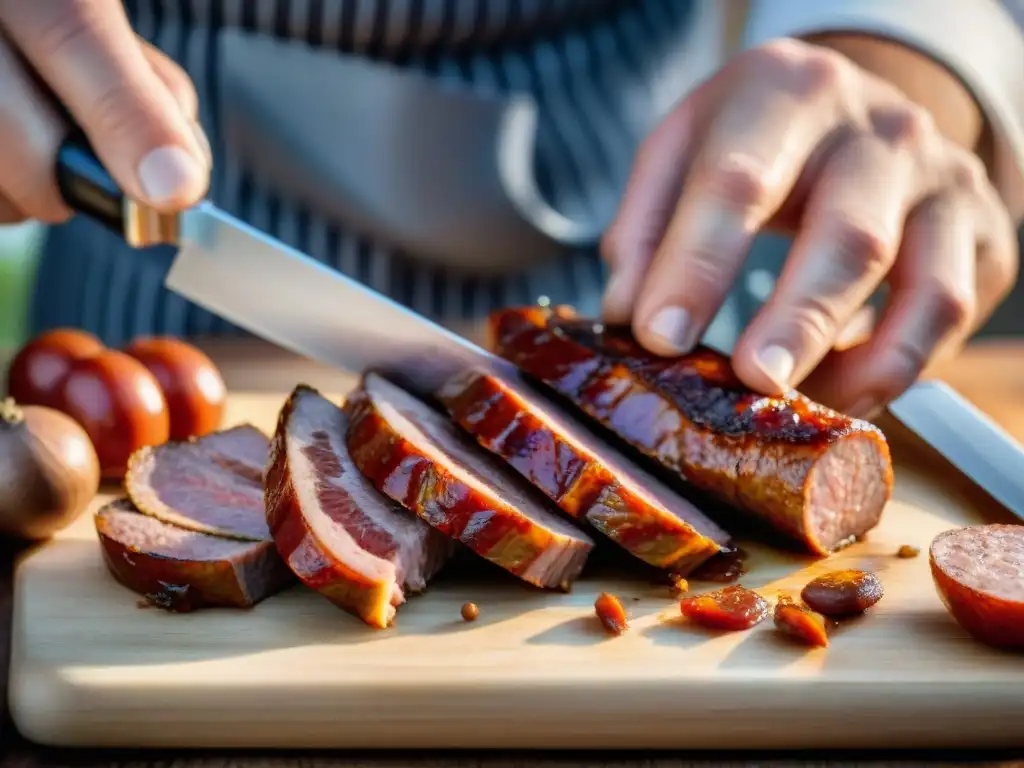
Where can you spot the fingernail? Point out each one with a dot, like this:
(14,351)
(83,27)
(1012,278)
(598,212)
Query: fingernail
(204,143)
(778,363)
(673,327)
(169,173)
(615,297)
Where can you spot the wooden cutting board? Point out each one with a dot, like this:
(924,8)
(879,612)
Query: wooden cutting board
(90,667)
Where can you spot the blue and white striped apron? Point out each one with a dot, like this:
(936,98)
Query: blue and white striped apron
(591,66)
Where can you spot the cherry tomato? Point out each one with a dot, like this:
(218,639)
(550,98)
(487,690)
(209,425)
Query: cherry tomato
(119,404)
(191,383)
(38,370)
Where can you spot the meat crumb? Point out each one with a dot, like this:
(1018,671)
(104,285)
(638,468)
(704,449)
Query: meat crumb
(470,612)
(908,551)
(611,613)
(679,586)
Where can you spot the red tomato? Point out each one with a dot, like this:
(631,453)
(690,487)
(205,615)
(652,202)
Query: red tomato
(38,370)
(119,404)
(191,383)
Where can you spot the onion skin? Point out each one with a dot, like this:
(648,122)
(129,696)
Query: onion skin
(37,372)
(49,471)
(120,405)
(191,383)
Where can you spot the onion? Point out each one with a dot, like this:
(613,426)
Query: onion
(49,471)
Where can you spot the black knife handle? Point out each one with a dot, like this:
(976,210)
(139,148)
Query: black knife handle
(89,189)
(86,186)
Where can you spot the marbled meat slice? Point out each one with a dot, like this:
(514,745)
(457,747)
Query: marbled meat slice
(584,477)
(357,548)
(213,484)
(182,570)
(816,475)
(419,458)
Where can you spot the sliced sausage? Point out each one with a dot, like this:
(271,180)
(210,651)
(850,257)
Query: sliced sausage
(979,574)
(420,459)
(213,484)
(357,548)
(585,478)
(816,475)
(182,570)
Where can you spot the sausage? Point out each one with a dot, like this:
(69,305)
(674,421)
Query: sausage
(733,608)
(801,623)
(842,593)
(587,479)
(356,547)
(182,570)
(213,484)
(979,574)
(816,475)
(420,459)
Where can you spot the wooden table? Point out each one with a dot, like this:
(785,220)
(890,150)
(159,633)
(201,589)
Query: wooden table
(989,373)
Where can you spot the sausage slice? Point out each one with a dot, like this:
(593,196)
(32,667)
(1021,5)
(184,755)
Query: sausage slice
(979,574)
(816,475)
(420,459)
(357,548)
(213,484)
(585,478)
(182,570)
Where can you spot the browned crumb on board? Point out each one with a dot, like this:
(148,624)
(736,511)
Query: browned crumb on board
(801,623)
(678,586)
(611,613)
(470,612)
(908,551)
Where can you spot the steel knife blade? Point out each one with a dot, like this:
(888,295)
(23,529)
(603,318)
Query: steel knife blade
(273,290)
(967,438)
(289,298)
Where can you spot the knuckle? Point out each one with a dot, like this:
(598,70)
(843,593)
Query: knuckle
(63,31)
(970,174)
(862,250)
(816,321)
(741,181)
(704,270)
(801,67)
(903,124)
(116,112)
(823,69)
(910,359)
(951,306)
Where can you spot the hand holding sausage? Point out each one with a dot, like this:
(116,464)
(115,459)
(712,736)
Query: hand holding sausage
(135,105)
(795,137)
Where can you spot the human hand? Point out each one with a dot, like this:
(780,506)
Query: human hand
(796,138)
(137,107)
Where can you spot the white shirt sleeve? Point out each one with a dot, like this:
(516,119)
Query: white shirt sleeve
(981,41)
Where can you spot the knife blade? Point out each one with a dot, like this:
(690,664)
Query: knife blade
(273,290)
(289,298)
(967,438)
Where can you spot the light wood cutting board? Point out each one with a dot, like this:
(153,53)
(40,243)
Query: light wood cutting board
(90,667)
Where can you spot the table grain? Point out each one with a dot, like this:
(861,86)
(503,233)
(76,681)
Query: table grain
(989,373)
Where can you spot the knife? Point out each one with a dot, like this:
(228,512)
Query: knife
(271,289)
(286,297)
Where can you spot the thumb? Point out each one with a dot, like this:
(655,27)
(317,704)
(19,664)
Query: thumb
(91,59)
